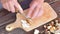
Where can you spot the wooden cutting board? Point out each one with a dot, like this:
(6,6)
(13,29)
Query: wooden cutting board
(48,15)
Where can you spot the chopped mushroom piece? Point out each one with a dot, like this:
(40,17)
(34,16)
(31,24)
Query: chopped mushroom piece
(36,31)
(25,24)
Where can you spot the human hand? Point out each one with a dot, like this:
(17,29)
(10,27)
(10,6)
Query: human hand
(35,9)
(11,5)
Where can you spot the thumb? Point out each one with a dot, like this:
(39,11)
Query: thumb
(18,6)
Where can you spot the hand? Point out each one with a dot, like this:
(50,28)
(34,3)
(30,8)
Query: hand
(11,5)
(35,9)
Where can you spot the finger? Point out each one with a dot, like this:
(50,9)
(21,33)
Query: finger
(7,7)
(36,11)
(4,6)
(17,5)
(11,6)
(40,12)
(32,7)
